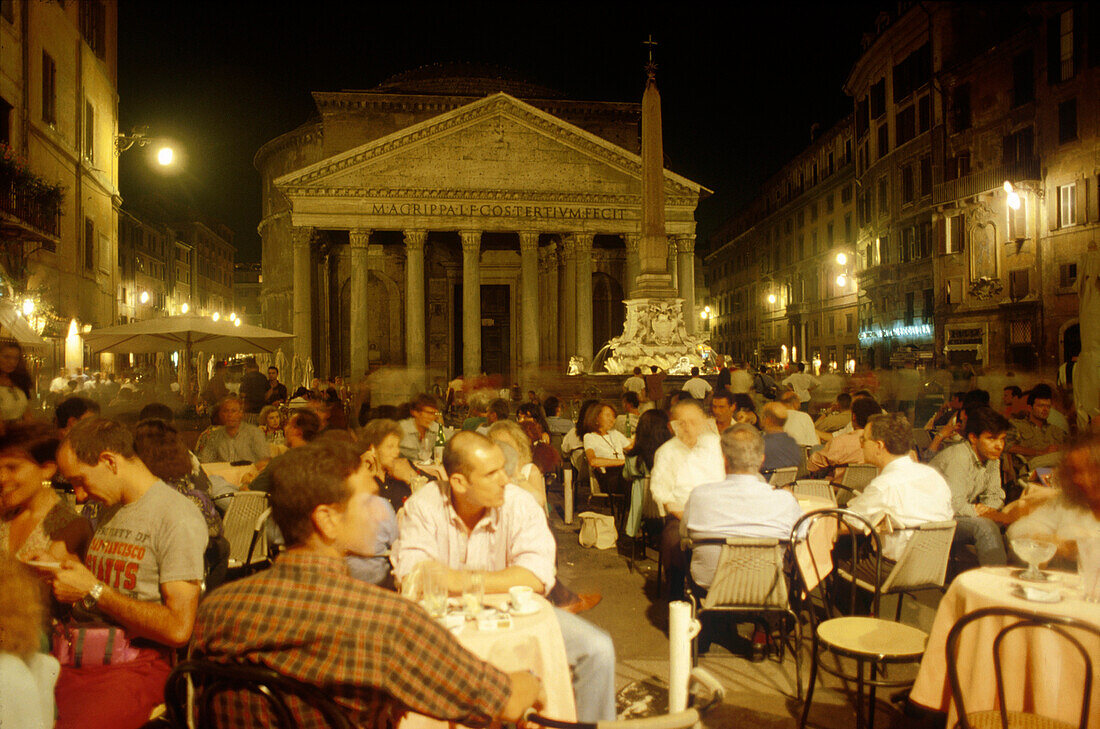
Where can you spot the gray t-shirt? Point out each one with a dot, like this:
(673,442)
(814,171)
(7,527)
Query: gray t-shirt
(158,538)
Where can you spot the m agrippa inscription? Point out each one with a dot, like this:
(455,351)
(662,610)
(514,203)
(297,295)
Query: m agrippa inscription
(497,210)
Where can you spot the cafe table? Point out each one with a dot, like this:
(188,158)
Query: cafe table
(232,474)
(814,555)
(533,643)
(1042,674)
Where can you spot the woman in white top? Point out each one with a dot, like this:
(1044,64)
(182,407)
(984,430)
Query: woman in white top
(15,383)
(605,447)
(527,476)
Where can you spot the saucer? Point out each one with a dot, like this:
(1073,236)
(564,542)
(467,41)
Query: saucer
(532,608)
(1034,594)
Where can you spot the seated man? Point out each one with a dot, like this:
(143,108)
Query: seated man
(799,425)
(302,427)
(420,431)
(1034,438)
(722,409)
(141,573)
(780,449)
(743,505)
(972,469)
(837,416)
(374,653)
(627,423)
(906,492)
(680,464)
(848,447)
(1075,513)
(234,440)
(557,424)
(476,520)
(498,410)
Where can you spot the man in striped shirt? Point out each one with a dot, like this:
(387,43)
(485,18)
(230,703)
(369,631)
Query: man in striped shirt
(373,652)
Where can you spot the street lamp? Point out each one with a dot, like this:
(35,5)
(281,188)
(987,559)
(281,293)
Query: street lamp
(184,308)
(771,298)
(28,307)
(842,259)
(145,297)
(139,137)
(217,315)
(1013,196)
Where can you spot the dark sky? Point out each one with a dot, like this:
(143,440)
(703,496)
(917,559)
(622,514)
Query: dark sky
(740,87)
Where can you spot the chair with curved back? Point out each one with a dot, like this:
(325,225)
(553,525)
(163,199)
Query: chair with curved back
(865,639)
(1001,717)
(855,479)
(815,487)
(781,477)
(230,680)
(244,525)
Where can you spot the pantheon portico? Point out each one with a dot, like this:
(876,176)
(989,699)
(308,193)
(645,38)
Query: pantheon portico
(493,236)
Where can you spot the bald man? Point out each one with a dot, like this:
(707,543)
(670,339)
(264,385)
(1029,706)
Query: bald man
(780,449)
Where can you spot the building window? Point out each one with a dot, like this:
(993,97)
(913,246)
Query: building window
(813,211)
(849,323)
(49,89)
(928,308)
(883,196)
(1023,78)
(924,114)
(906,125)
(845,194)
(1067,275)
(1067,205)
(863,117)
(883,139)
(908,188)
(848,228)
(1067,121)
(1019,146)
(878,99)
(93,20)
(960,108)
(910,307)
(1060,51)
(828,236)
(89,244)
(830,205)
(956,227)
(1018,284)
(925,176)
(1019,332)
(89,131)
(5,121)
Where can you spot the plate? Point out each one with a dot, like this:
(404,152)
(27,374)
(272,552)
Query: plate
(532,608)
(1034,594)
(43,564)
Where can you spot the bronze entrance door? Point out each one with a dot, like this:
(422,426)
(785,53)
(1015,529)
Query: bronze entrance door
(495,329)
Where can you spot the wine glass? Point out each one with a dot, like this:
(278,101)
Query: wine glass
(435,590)
(1035,552)
(473,593)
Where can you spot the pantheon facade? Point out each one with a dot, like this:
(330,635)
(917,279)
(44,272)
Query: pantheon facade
(459,221)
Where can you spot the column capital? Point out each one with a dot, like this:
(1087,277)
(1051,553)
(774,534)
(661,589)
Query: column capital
(631,240)
(548,257)
(359,237)
(568,248)
(583,242)
(414,239)
(471,240)
(528,240)
(685,243)
(301,235)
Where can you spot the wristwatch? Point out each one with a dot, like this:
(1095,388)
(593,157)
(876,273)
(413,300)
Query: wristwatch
(89,601)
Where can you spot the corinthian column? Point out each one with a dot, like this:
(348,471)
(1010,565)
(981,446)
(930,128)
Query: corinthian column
(358,336)
(633,265)
(549,316)
(685,248)
(415,333)
(584,296)
(529,299)
(568,298)
(303,334)
(471,302)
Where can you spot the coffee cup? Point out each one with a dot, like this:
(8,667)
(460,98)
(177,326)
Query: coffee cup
(521,597)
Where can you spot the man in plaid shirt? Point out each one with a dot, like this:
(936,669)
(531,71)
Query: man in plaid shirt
(375,653)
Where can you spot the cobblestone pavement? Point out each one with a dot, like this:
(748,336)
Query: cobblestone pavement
(757,694)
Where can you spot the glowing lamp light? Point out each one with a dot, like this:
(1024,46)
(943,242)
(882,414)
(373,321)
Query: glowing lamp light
(842,280)
(1013,201)
(217,315)
(1008,186)
(236,322)
(145,297)
(28,307)
(165,156)
(771,298)
(233,316)
(841,259)
(185,307)
(74,328)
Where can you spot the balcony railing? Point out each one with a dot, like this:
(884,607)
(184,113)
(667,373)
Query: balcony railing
(985,180)
(30,214)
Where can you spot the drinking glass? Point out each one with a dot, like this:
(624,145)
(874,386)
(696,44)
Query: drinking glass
(473,593)
(435,591)
(1035,552)
(1088,567)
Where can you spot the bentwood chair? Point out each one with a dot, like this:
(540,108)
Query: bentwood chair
(815,487)
(863,639)
(255,696)
(1000,716)
(780,477)
(750,579)
(244,525)
(855,479)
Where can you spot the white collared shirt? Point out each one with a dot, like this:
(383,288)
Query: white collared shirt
(907,492)
(800,426)
(678,469)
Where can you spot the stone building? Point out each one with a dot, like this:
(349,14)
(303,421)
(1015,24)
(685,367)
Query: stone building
(1017,206)
(59,113)
(780,273)
(145,252)
(248,279)
(458,220)
(213,254)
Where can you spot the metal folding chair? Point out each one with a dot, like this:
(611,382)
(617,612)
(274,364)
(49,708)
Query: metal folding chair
(244,526)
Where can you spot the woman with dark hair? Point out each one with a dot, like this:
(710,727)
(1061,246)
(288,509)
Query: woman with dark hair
(744,409)
(15,383)
(34,520)
(653,431)
(533,412)
(162,450)
(574,439)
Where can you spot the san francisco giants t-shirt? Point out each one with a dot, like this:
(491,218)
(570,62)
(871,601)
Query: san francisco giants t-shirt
(158,538)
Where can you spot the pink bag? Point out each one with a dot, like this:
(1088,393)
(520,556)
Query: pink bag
(92,644)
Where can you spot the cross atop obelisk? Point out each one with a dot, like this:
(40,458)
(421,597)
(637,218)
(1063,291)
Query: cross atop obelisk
(654,280)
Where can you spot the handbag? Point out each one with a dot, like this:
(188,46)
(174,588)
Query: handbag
(92,644)
(597,530)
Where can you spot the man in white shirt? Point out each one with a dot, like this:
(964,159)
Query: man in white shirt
(420,431)
(635,383)
(697,387)
(905,492)
(740,381)
(743,505)
(691,458)
(801,383)
(477,521)
(799,425)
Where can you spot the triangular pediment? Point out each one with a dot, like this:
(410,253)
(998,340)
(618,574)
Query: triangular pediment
(495,144)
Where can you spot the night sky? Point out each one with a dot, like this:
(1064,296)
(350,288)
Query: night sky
(739,89)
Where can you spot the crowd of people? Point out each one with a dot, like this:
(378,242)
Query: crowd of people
(111,532)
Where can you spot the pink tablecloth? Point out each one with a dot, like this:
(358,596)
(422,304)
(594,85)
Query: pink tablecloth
(533,643)
(1041,675)
(814,555)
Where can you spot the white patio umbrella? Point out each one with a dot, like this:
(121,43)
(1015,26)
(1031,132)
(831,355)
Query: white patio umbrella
(14,326)
(283,366)
(296,372)
(185,333)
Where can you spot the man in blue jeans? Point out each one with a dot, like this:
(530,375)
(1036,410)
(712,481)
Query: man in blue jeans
(478,522)
(972,469)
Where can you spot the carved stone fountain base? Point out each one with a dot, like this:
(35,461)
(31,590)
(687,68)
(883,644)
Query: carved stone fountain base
(653,334)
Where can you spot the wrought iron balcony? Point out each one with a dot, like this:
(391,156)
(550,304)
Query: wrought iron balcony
(28,213)
(984,180)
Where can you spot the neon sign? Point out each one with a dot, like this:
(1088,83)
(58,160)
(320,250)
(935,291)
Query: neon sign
(916,330)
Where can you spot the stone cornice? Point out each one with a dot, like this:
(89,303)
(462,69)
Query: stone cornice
(497,104)
(341,101)
(413,194)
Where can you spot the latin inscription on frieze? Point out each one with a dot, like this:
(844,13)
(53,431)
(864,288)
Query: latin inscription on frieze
(470,210)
